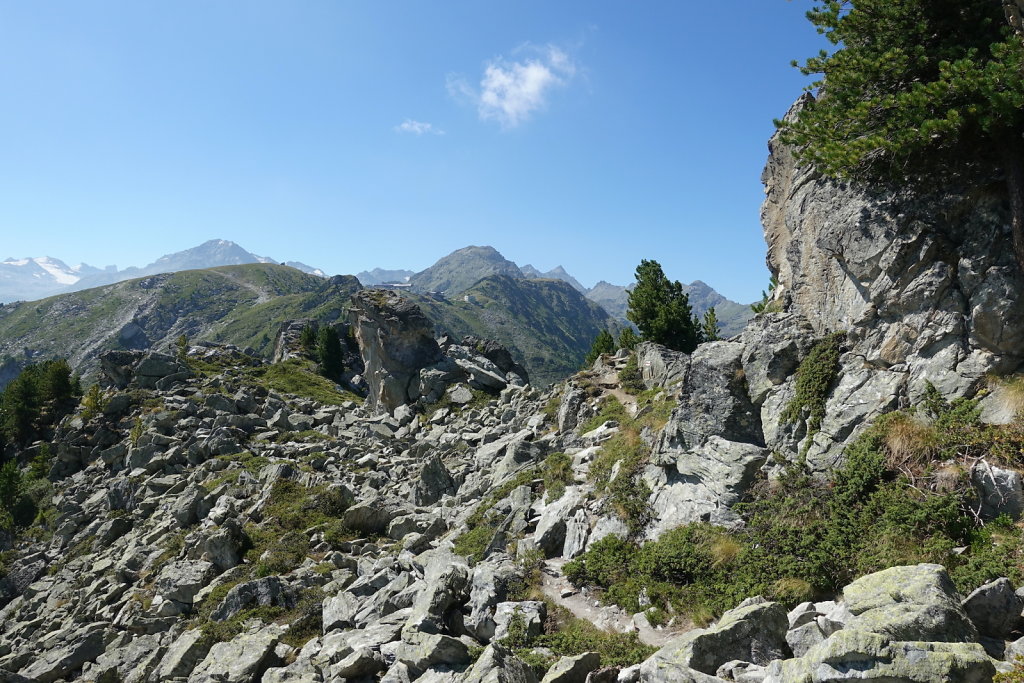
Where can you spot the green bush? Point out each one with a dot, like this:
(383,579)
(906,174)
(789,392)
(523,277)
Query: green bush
(806,538)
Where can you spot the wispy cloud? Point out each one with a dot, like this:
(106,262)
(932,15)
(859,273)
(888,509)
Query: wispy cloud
(511,91)
(418,128)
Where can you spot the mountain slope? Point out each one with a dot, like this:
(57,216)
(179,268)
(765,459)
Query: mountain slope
(242,305)
(461,269)
(546,324)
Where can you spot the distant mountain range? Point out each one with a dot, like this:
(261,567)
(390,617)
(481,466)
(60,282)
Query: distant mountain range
(459,271)
(28,279)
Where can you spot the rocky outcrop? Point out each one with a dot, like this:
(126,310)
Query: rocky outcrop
(405,364)
(396,341)
(922,282)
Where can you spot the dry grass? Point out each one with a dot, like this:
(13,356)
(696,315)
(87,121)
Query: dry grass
(911,442)
(724,551)
(1009,392)
(793,590)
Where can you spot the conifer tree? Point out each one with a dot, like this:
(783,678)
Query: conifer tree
(661,310)
(917,91)
(709,328)
(603,343)
(628,339)
(328,346)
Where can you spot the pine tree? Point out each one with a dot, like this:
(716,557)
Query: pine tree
(661,310)
(628,339)
(920,91)
(603,343)
(709,328)
(328,347)
(308,340)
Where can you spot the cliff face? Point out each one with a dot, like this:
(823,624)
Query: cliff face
(924,284)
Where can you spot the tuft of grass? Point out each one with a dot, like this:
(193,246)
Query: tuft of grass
(557,473)
(910,441)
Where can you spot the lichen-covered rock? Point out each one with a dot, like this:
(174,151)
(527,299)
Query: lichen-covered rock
(755,632)
(497,664)
(917,602)
(852,655)
(243,658)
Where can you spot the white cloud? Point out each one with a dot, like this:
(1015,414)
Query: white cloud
(511,91)
(417,127)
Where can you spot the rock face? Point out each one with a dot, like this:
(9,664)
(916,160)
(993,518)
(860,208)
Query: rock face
(923,282)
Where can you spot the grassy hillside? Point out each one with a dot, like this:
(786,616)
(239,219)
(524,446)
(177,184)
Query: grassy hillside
(546,324)
(243,305)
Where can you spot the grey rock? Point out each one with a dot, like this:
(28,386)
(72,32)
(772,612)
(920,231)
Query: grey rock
(753,632)
(372,516)
(419,650)
(243,658)
(269,591)
(576,531)
(446,586)
(999,490)
(434,482)
(181,580)
(497,664)
(396,340)
(75,649)
(460,394)
(549,535)
(850,655)
(660,366)
(488,587)
(361,663)
(572,669)
(532,613)
(713,401)
(339,611)
(183,654)
(706,482)
(917,602)
(994,609)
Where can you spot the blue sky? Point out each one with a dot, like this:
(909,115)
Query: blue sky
(350,135)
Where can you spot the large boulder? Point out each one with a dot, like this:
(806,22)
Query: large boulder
(917,602)
(396,341)
(497,664)
(243,658)
(755,632)
(852,655)
(713,401)
(701,484)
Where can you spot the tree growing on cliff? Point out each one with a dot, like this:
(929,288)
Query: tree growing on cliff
(917,90)
(661,309)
